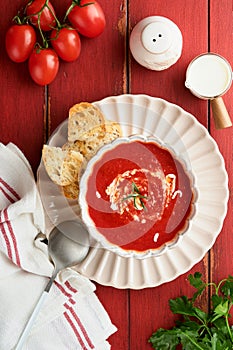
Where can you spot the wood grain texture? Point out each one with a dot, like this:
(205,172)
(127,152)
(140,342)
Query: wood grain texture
(106,67)
(22,102)
(152,304)
(221,37)
(98,72)
(169,84)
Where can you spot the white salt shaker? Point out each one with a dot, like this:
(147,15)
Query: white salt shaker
(156,43)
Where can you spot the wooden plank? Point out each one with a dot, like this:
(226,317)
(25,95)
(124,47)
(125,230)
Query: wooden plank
(98,72)
(21,100)
(116,302)
(101,71)
(221,37)
(149,308)
(169,84)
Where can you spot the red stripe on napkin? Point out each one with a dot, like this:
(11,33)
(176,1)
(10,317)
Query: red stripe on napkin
(75,331)
(10,228)
(12,196)
(6,239)
(10,189)
(10,238)
(74,315)
(62,289)
(8,197)
(68,295)
(72,301)
(79,323)
(68,285)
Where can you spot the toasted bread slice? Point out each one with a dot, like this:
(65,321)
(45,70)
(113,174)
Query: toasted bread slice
(71,167)
(86,148)
(94,139)
(93,142)
(62,166)
(87,132)
(53,158)
(83,117)
(95,133)
(71,191)
(113,131)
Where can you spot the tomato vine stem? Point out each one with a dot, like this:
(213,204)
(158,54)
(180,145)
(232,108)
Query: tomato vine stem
(73,4)
(39,13)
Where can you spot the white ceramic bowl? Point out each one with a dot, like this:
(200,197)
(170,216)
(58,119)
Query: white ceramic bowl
(92,197)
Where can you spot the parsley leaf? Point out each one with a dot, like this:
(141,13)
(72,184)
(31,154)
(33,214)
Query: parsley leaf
(197,329)
(165,339)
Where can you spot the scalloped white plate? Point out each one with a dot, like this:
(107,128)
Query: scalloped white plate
(142,114)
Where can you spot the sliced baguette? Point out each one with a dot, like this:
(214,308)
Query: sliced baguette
(53,158)
(87,132)
(87,148)
(113,131)
(71,191)
(62,166)
(83,117)
(71,167)
(94,139)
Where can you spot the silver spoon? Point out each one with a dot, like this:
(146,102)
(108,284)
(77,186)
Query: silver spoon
(68,245)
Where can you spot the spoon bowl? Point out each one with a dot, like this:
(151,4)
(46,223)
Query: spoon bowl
(68,245)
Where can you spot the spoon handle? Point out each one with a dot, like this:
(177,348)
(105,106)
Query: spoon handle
(31,321)
(35,312)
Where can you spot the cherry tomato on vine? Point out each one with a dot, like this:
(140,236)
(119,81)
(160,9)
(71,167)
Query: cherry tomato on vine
(41,12)
(43,65)
(66,42)
(20,41)
(87,17)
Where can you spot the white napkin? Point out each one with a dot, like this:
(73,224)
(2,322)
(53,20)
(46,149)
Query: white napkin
(72,316)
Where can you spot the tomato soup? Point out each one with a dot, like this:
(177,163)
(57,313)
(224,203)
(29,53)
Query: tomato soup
(139,196)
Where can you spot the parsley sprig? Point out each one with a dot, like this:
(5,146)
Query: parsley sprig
(136,195)
(198,329)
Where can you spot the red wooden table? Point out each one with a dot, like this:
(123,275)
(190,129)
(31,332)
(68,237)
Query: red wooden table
(29,113)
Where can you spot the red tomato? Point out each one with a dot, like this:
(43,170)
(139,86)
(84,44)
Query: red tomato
(46,19)
(88,20)
(66,43)
(43,66)
(19,42)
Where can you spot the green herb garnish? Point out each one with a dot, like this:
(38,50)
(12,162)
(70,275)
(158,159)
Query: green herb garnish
(198,329)
(137,196)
